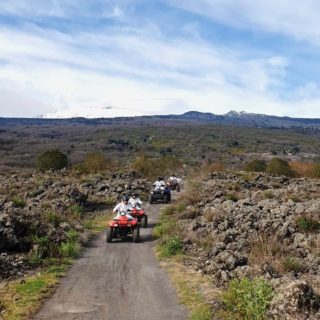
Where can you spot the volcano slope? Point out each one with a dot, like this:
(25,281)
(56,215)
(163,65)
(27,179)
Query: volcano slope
(119,280)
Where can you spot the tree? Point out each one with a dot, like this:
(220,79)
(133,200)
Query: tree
(278,167)
(52,159)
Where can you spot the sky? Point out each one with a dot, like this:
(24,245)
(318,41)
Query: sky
(63,58)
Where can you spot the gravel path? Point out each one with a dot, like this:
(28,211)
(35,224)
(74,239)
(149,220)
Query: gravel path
(116,281)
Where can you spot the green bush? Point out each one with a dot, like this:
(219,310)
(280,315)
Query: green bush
(53,218)
(292,264)
(171,246)
(51,159)
(246,299)
(316,170)
(18,202)
(307,224)
(279,167)
(69,249)
(256,166)
(95,162)
(232,196)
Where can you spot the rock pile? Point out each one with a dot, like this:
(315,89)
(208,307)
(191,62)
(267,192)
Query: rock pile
(257,225)
(36,205)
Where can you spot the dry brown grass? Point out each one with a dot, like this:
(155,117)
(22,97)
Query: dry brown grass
(304,169)
(211,213)
(267,250)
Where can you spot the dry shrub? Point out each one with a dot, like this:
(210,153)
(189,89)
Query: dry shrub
(206,241)
(211,213)
(267,250)
(212,167)
(191,197)
(303,169)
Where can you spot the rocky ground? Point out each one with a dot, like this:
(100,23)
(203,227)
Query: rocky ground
(40,211)
(249,225)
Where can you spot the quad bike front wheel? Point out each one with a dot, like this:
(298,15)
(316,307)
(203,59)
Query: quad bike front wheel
(144,221)
(136,234)
(109,235)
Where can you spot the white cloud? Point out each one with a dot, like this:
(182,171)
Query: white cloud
(295,18)
(136,70)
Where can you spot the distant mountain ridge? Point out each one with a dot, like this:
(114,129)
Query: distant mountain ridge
(231,118)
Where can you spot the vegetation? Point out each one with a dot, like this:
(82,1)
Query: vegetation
(278,166)
(18,202)
(153,167)
(308,224)
(52,159)
(95,162)
(256,166)
(246,299)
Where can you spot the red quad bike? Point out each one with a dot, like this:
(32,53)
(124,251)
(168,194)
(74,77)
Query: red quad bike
(121,227)
(140,214)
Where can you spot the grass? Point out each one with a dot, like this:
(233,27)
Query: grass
(190,286)
(267,250)
(307,224)
(21,299)
(246,299)
(18,202)
(193,290)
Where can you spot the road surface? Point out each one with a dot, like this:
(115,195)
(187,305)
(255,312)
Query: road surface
(116,281)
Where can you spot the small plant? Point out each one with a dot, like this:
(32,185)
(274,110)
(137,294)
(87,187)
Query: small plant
(307,224)
(292,264)
(256,166)
(268,194)
(52,159)
(110,201)
(18,202)
(246,299)
(171,246)
(232,196)
(69,249)
(278,167)
(266,249)
(72,235)
(95,162)
(76,210)
(53,218)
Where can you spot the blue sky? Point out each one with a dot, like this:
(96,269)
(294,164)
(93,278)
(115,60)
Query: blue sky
(130,57)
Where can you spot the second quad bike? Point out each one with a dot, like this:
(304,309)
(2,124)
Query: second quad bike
(123,227)
(163,195)
(140,214)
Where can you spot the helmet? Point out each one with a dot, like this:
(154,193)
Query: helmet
(125,198)
(159,178)
(135,194)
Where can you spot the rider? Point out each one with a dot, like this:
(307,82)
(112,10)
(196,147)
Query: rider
(159,184)
(135,200)
(123,208)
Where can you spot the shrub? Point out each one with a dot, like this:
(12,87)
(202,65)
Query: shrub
(303,169)
(292,264)
(52,159)
(278,167)
(316,170)
(171,246)
(76,210)
(18,202)
(246,299)
(96,162)
(256,166)
(232,196)
(307,224)
(69,249)
(53,218)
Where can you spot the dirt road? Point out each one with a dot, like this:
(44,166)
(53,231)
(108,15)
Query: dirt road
(117,281)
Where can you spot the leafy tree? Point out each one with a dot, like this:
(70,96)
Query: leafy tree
(256,166)
(52,159)
(278,167)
